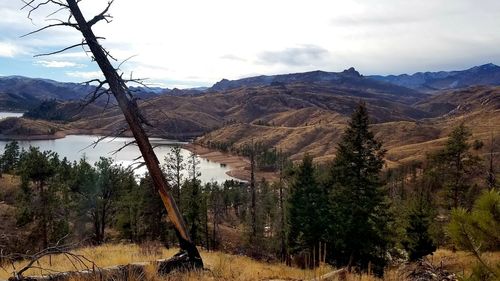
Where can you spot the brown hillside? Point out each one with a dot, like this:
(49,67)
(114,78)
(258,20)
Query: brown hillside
(292,105)
(299,118)
(456,102)
(405,140)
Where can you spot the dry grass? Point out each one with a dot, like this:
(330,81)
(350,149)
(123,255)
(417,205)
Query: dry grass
(223,266)
(9,185)
(462,262)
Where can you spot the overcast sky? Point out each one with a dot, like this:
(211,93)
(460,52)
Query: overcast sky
(198,42)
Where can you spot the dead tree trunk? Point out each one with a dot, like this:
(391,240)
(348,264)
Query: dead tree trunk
(130,110)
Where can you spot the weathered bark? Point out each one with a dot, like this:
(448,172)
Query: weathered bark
(131,112)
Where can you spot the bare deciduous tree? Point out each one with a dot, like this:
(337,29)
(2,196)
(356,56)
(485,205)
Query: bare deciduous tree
(114,84)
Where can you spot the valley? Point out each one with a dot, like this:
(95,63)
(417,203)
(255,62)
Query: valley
(247,140)
(296,113)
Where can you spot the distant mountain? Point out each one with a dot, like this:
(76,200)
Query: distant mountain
(299,113)
(294,105)
(487,75)
(18,93)
(349,79)
(43,88)
(13,102)
(149,91)
(264,80)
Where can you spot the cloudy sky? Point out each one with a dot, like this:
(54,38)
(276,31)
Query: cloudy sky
(197,42)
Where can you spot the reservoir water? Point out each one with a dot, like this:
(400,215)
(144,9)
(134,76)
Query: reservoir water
(9,114)
(74,147)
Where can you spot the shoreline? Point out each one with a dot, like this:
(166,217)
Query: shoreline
(239,166)
(57,135)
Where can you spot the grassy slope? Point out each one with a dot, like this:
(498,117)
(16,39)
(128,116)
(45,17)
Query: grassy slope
(405,140)
(299,119)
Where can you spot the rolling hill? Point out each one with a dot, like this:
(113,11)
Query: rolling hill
(300,113)
(18,93)
(405,140)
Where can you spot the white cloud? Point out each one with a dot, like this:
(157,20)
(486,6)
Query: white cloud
(296,56)
(84,74)
(58,64)
(231,39)
(8,50)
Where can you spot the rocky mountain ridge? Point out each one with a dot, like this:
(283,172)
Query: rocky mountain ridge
(486,75)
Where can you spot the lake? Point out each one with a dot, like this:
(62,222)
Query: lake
(9,114)
(74,147)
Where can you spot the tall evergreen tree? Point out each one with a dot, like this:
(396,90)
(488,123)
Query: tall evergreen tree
(141,215)
(359,233)
(10,157)
(153,216)
(307,209)
(213,194)
(418,241)
(84,180)
(478,231)
(192,198)
(491,174)
(174,167)
(282,163)
(41,201)
(99,199)
(253,194)
(456,167)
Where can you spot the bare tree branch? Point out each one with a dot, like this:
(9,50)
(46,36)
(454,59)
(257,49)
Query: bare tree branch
(124,61)
(56,11)
(62,50)
(78,261)
(189,256)
(124,146)
(51,26)
(102,16)
(36,7)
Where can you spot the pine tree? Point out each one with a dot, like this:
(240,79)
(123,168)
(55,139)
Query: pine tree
(307,209)
(418,241)
(216,206)
(174,167)
(456,168)
(491,174)
(360,217)
(153,216)
(83,183)
(282,163)
(99,199)
(41,199)
(192,198)
(253,195)
(478,231)
(10,157)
